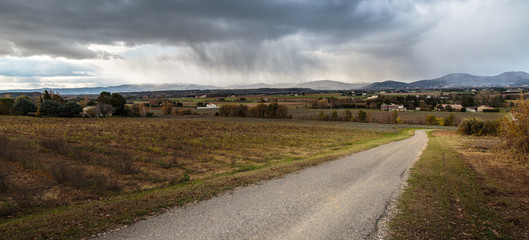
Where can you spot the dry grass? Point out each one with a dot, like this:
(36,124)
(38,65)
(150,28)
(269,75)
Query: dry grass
(505,182)
(464,188)
(135,167)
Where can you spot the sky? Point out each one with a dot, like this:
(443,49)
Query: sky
(88,43)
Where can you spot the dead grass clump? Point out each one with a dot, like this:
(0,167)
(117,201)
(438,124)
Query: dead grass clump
(123,163)
(57,145)
(3,183)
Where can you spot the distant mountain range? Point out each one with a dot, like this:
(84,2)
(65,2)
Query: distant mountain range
(459,80)
(455,80)
(316,85)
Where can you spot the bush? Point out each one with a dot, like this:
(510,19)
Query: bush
(348,116)
(491,110)
(70,109)
(449,120)
(432,120)
(361,116)
(478,127)
(515,131)
(6,106)
(322,116)
(50,108)
(23,105)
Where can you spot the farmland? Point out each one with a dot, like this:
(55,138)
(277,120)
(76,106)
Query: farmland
(94,174)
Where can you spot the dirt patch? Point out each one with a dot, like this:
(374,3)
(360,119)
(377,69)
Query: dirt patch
(444,133)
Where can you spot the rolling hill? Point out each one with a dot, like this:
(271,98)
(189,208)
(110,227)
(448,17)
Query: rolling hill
(459,80)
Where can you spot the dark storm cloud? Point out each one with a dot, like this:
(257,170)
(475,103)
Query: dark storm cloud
(64,28)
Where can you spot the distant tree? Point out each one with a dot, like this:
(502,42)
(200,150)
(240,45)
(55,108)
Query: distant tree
(6,105)
(271,112)
(91,103)
(334,116)
(432,120)
(348,116)
(135,110)
(105,109)
(449,120)
(46,95)
(55,96)
(467,101)
(23,105)
(70,109)
(50,108)
(323,103)
(449,108)
(394,117)
(322,116)
(118,103)
(259,111)
(105,98)
(361,116)
(167,108)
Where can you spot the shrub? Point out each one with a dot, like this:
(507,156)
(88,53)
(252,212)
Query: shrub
(348,116)
(334,116)
(50,108)
(6,105)
(322,116)
(70,109)
(167,108)
(23,105)
(515,131)
(395,118)
(361,116)
(449,120)
(432,120)
(478,127)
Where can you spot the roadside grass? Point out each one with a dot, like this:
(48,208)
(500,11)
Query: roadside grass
(444,198)
(215,157)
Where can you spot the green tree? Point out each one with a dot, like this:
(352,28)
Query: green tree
(50,108)
(361,116)
(105,98)
(6,106)
(70,109)
(23,105)
(118,102)
(467,101)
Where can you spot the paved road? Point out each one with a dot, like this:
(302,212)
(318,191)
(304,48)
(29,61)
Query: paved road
(342,199)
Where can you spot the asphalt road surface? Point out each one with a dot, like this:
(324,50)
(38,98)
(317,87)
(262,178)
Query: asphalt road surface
(341,199)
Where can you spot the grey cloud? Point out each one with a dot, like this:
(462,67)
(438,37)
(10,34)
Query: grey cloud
(62,28)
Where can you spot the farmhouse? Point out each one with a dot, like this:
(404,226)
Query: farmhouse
(208,106)
(392,107)
(482,107)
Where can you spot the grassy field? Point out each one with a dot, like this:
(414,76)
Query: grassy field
(70,178)
(461,189)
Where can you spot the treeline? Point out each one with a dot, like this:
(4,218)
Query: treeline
(54,105)
(272,110)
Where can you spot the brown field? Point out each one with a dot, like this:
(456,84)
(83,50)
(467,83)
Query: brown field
(63,178)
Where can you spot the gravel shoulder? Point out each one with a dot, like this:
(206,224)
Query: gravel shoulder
(342,199)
